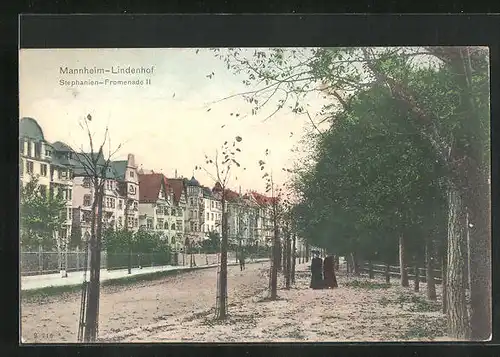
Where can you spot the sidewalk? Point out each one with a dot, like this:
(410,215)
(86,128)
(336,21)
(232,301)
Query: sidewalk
(75,278)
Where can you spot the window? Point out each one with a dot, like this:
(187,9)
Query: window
(43,170)
(159,224)
(150,223)
(131,189)
(135,206)
(173,211)
(70,215)
(131,174)
(70,194)
(190,213)
(212,216)
(166,211)
(120,204)
(29,167)
(38,150)
(178,224)
(191,201)
(208,216)
(86,200)
(212,227)
(120,221)
(86,216)
(172,227)
(136,222)
(113,203)
(166,225)
(29,149)
(48,153)
(86,182)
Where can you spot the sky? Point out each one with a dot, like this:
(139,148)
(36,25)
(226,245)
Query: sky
(166,124)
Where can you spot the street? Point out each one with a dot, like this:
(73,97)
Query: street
(55,319)
(181,309)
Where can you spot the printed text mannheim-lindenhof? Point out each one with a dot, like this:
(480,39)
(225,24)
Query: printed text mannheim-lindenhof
(128,76)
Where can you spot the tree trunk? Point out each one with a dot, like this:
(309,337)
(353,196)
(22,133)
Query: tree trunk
(294,258)
(307,252)
(480,257)
(444,283)
(288,261)
(431,284)
(355,263)
(416,287)
(222,313)
(458,321)
(92,310)
(276,262)
(402,262)
(337,263)
(387,273)
(370,269)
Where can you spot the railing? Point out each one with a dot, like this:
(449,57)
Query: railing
(394,271)
(35,263)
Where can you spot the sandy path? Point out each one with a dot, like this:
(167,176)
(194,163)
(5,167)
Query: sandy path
(301,314)
(143,304)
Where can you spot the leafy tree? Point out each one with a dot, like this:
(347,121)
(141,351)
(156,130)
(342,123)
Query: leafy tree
(450,117)
(42,215)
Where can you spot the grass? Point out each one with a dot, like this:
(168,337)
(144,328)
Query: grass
(365,284)
(412,302)
(424,328)
(418,303)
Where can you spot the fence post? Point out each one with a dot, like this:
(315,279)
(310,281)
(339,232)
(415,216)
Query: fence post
(77,259)
(40,259)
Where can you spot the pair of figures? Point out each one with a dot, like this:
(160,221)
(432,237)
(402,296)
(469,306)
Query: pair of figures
(323,273)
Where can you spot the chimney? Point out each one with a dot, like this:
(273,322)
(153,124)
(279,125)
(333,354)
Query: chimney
(175,175)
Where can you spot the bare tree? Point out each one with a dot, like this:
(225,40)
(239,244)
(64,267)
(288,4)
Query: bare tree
(94,166)
(222,165)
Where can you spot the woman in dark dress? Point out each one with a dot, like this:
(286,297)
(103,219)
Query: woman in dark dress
(330,281)
(316,272)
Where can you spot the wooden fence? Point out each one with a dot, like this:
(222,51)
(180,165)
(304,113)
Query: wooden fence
(394,271)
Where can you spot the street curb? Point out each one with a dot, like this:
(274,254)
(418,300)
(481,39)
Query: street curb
(125,280)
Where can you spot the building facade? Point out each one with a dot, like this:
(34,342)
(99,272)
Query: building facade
(213,213)
(38,158)
(195,209)
(156,206)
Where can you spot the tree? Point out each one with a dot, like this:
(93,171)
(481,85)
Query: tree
(222,166)
(42,216)
(94,166)
(455,126)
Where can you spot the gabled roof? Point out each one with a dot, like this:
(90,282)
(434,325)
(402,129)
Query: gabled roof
(178,186)
(60,146)
(150,186)
(231,195)
(120,169)
(262,199)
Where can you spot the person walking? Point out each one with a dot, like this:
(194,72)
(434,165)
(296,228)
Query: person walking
(242,260)
(329,278)
(316,271)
